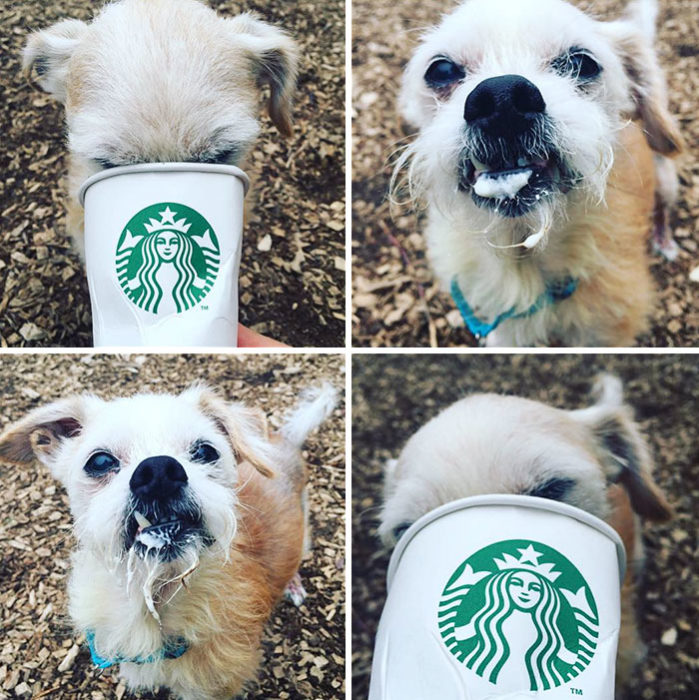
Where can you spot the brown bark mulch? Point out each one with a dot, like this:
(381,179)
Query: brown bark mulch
(394,395)
(303,647)
(396,300)
(292,290)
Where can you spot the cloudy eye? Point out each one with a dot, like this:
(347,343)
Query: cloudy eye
(579,64)
(100,463)
(443,72)
(203,452)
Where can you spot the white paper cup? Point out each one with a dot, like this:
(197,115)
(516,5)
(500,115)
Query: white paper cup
(501,597)
(162,252)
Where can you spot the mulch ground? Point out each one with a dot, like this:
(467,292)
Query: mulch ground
(303,647)
(396,299)
(292,290)
(394,395)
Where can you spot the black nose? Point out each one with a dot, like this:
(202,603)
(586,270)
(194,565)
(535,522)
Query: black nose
(158,479)
(504,106)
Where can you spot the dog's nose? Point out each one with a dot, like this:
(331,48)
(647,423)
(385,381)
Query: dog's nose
(504,106)
(158,479)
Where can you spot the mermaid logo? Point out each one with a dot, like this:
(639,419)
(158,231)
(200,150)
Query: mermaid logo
(167,258)
(520,615)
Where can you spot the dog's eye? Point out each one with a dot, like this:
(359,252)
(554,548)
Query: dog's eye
(553,489)
(100,463)
(579,64)
(443,72)
(400,530)
(203,452)
(104,163)
(222,157)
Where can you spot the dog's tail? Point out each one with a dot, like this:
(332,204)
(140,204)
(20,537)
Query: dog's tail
(644,14)
(316,405)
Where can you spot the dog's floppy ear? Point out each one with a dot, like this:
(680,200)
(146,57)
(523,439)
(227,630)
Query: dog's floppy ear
(633,39)
(246,428)
(275,63)
(622,450)
(48,52)
(41,433)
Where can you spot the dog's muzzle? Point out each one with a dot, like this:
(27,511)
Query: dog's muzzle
(510,165)
(161,518)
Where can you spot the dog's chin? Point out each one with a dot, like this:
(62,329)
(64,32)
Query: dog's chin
(514,187)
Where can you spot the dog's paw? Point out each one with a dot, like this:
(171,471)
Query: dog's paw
(294,591)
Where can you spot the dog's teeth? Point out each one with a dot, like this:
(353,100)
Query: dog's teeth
(478,165)
(141,519)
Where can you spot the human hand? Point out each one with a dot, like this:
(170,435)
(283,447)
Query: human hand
(251,339)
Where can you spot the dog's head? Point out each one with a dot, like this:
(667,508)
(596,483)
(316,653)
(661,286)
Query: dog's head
(520,103)
(164,80)
(151,478)
(489,444)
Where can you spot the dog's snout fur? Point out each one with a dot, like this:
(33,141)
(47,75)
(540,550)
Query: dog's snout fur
(160,478)
(504,106)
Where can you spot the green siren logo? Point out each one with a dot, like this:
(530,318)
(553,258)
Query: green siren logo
(519,611)
(167,258)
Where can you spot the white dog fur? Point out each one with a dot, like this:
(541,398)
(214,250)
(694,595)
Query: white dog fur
(161,81)
(218,592)
(596,230)
(487,444)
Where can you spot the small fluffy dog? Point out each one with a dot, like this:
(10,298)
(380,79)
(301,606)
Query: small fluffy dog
(161,81)
(595,459)
(190,521)
(543,147)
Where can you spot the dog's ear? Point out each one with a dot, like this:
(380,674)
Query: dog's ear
(622,450)
(42,432)
(633,39)
(246,428)
(275,63)
(48,52)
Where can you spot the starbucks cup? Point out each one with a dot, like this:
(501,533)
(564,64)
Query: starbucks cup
(162,252)
(501,597)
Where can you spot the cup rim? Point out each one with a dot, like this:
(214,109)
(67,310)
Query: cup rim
(520,501)
(164,168)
